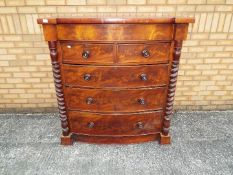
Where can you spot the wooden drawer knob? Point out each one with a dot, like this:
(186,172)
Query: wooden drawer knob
(145,53)
(141,101)
(139,125)
(87,77)
(143,77)
(89,100)
(91,125)
(85,54)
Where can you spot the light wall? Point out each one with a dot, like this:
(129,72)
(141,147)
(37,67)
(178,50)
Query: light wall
(206,70)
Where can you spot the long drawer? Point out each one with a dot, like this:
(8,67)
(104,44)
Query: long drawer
(115,76)
(96,53)
(119,100)
(111,32)
(115,124)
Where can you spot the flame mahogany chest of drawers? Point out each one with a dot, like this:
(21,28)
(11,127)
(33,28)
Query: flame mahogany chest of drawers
(115,78)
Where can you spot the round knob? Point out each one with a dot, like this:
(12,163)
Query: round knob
(91,125)
(141,101)
(87,77)
(145,53)
(143,77)
(85,54)
(89,100)
(69,46)
(139,125)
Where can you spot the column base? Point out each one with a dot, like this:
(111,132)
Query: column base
(165,140)
(66,140)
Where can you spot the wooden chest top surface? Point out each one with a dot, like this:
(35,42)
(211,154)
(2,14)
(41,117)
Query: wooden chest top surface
(116,20)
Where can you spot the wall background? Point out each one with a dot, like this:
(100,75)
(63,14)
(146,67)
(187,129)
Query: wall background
(206,72)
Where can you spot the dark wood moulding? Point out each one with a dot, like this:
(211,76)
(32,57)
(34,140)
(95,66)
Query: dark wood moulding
(168,20)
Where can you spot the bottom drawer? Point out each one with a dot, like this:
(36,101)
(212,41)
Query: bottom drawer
(115,124)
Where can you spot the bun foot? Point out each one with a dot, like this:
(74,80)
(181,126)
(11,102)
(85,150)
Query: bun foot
(66,140)
(165,140)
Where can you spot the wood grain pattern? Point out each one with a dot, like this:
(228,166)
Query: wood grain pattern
(181,31)
(50,32)
(125,53)
(115,77)
(113,32)
(115,124)
(116,140)
(118,100)
(98,53)
(132,53)
(118,20)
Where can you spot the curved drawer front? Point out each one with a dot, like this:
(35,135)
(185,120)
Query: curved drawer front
(79,53)
(143,53)
(113,76)
(124,100)
(111,32)
(96,53)
(112,124)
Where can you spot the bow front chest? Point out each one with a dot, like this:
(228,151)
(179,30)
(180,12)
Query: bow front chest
(115,78)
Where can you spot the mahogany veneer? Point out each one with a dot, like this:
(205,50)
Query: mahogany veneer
(111,76)
(115,124)
(115,78)
(115,100)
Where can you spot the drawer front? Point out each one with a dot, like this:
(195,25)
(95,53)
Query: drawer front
(112,76)
(110,32)
(110,124)
(124,100)
(78,53)
(143,53)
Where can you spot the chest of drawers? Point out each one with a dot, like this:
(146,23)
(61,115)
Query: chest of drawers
(115,78)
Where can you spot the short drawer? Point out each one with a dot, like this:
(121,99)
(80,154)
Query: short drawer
(120,100)
(111,32)
(79,53)
(115,76)
(143,53)
(115,124)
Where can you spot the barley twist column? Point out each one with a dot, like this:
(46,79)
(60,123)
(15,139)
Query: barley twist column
(172,87)
(58,87)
